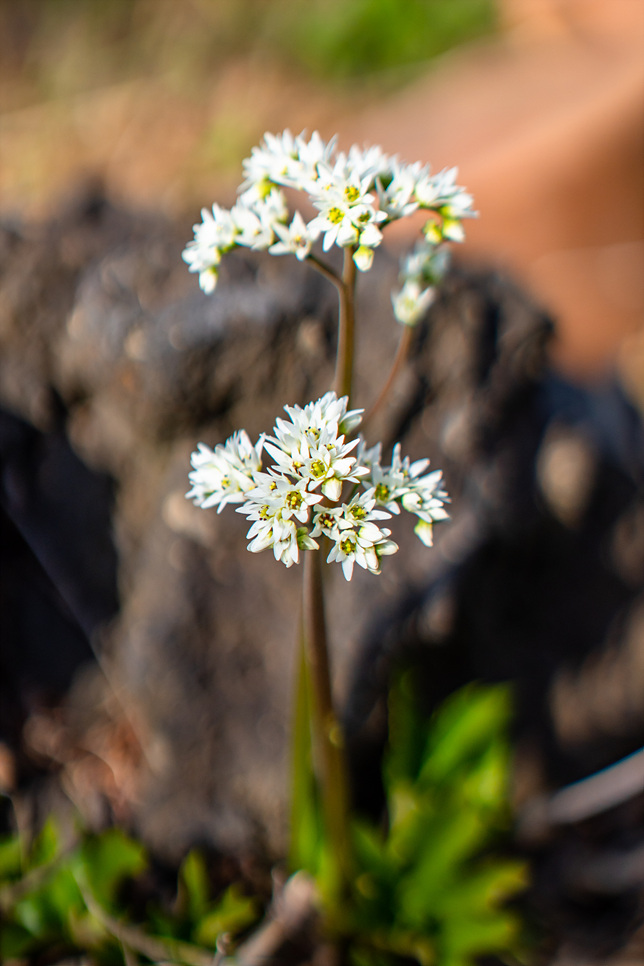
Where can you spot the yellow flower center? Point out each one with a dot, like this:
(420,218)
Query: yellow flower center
(294,500)
(347,546)
(335,215)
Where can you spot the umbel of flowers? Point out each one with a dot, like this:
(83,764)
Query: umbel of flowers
(300,496)
(356,194)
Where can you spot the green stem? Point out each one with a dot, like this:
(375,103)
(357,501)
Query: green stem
(399,360)
(327,732)
(346,327)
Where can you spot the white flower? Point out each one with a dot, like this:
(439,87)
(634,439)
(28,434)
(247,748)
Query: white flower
(346,209)
(225,474)
(286,160)
(326,415)
(274,494)
(298,498)
(213,236)
(402,484)
(425,497)
(274,505)
(256,223)
(363,545)
(396,194)
(427,264)
(411,302)
(368,164)
(273,531)
(361,509)
(295,239)
(325,463)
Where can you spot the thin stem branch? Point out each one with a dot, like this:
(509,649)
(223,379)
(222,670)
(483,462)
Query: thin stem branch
(327,271)
(346,327)
(399,360)
(326,727)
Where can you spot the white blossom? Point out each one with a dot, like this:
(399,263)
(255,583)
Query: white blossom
(300,497)
(296,238)
(403,485)
(412,301)
(214,236)
(225,474)
(365,545)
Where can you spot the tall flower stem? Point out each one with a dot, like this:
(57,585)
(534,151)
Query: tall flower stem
(327,732)
(346,327)
(399,360)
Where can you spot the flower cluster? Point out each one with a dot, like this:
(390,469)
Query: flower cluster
(320,485)
(356,194)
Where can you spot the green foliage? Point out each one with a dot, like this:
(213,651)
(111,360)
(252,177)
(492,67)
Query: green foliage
(70,901)
(349,39)
(76,45)
(428,888)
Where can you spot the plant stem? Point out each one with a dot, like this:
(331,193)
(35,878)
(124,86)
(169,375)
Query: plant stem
(346,327)
(327,271)
(327,732)
(399,360)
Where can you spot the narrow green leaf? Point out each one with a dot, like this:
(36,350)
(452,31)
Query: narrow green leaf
(10,858)
(483,889)
(46,844)
(475,936)
(194,883)
(463,729)
(234,912)
(451,840)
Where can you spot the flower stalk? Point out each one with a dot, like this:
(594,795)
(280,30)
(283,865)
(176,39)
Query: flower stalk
(346,327)
(328,739)
(402,352)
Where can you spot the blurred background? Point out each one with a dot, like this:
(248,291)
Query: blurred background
(539,103)
(135,682)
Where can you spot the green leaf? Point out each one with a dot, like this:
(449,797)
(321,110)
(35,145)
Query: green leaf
(233,913)
(486,782)
(45,910)
(194,884)
(10,857)
(106,860)
(46,844)
(410,818)
(483,889)
(451,839)
(464,728)
(471,936)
